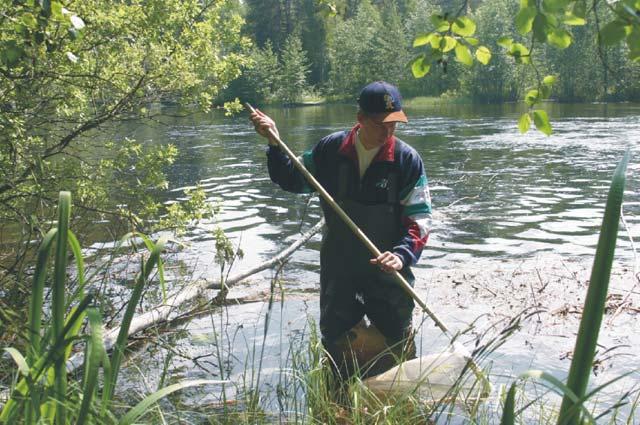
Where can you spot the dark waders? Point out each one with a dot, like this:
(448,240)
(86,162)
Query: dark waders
(350,287)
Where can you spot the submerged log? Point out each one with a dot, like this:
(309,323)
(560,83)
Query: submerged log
(168,311)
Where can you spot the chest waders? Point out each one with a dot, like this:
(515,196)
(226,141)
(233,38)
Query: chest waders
(350,286)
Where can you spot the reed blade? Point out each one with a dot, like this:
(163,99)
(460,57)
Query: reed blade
(141,408)
(585,347)
(118,349)
(58,301)
(95,353)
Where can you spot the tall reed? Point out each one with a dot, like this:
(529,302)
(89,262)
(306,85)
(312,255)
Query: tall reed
(572,410)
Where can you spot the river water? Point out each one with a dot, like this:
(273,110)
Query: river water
(498,196)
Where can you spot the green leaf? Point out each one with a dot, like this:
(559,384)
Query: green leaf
(440,23)
(435,41)
(483,55)
(56,10)
(571,19)
(508,411)
(532,97)
(448,43)
(613,33)
(463,26)
(19,360)
(545,91)
(463,55)
(549,80)
(505,42)
(422,39)
(29,21)
(580,9)
(524,123)
(520,53)
(419,67)
(633,38)
(559,38)
(524,19)
(472,41)
(527,3)
(10,53)
(541,27)
(541,120)
(555,5)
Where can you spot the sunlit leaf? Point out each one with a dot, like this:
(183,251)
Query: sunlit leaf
(472,41)
(520,52)
(448,43)
(483,54)
(549,80)
(532,97)
(559,38)
(440,23)
(422,39)
(29,20)
(527,3)
(571,19)
(524,19)
(56,10)
(613,33)
(463,55)
(505,42)
(524,122)
(435,41)
(463,26)
(19,360)
(419,67)
(541,120)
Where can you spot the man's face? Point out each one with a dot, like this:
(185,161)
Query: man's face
(373,131)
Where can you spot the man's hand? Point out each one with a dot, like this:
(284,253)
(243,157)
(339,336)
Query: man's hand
(388,262)
(263,124)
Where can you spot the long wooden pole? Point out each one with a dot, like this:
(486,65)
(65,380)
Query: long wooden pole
(354,227)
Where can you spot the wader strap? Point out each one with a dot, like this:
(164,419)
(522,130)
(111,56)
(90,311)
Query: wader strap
(343,181)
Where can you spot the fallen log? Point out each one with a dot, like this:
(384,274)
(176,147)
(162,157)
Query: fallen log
(168,311)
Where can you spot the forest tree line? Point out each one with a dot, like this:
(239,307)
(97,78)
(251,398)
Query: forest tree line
(311,48)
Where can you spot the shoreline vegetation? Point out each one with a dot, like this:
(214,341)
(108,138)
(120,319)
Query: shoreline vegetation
(426,101)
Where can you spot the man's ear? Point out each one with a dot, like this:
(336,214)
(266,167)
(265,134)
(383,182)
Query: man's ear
(360,117)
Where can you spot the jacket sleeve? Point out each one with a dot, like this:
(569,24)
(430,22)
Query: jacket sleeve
(285,174)
(415,201)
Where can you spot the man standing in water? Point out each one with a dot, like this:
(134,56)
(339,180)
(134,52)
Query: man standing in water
(381,184)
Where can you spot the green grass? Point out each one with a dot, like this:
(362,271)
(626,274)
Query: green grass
(430,101)
(42,392)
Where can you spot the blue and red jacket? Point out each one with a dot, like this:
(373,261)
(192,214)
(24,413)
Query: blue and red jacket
(334,159)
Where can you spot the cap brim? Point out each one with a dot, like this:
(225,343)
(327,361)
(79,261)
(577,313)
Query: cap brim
(397,116)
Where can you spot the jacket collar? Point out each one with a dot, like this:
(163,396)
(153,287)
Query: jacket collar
(348,147)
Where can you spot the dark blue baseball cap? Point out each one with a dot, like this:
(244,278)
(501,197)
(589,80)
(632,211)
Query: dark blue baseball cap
(383,99)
